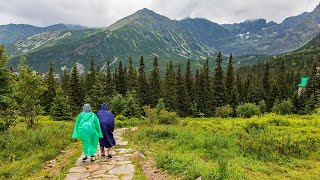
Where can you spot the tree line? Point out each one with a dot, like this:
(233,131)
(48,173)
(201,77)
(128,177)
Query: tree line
(189,93)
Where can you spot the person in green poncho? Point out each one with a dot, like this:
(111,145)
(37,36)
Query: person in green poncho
(87,129)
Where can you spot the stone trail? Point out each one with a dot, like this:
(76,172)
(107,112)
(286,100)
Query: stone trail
(119,167)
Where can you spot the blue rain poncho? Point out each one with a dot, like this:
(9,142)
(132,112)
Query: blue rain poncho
(87,129)
(106,119)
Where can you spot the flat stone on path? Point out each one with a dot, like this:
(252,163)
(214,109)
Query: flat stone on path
(107,167)
(124,169)
(74,176)
(114,162)
(120,166)
(92,167)
(127,177)
(77,170)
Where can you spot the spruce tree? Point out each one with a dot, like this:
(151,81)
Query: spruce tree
(97,95)
(169,90)
(60,109)
(189,81)
(109,85)
(183,101)
(132,76)
(155,84)
(266,81)
(143,88)
(196,95)
(65,82)
(132,106)
(50,93)
(202,94)
(239,85)
(29,98)
(313,81)
(219,88)
(234,99)
(229,79)
(282,81)
(121,82)
(207,97)
(91,75)
(76,92)
(5,88)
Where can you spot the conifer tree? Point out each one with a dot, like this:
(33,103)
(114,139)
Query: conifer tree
(313,81)
(121,83)
(132,107)
(132,76)
(275,93)
(202,94)
(189,81)
(229,79)
(29,103)
(5,78)
(282,81)
(91,75)
(76,91)
(183,101)
(109,84)
(143,88)
(234,99)
(196,93)
(169,90)
(50,92)
(219,88)
(207,97)
(266,81)
(155,86)
(97,95)
(239,85)
(60,109)
(65,82)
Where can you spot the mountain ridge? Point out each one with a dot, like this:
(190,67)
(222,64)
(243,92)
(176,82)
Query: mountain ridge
(150,34)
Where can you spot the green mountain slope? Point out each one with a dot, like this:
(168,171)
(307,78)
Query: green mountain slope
(149,34)
(15,32)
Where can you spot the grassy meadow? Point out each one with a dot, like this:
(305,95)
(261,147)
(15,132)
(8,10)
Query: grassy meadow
(267,147)
(24,150)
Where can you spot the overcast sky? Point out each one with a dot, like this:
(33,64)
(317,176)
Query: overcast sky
(102,13)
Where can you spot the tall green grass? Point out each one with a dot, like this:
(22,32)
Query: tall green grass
(24,150)
(236,148)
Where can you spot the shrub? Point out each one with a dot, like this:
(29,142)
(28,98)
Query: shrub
(117,104)
(224,111)
(162,117)
(121,118)
(132,107)
(247,110)
(166,117)
(151,114)
(263,106)
(284,107)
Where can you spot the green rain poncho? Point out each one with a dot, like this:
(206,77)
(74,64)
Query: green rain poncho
(87,129)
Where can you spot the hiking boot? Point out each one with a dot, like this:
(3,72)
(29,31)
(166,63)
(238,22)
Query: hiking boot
(85,158)
(93,158)
(109,156)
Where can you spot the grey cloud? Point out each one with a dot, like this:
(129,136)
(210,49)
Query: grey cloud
(105,12)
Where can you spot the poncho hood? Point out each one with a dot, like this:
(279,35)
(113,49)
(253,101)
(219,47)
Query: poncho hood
(86,108)
(104,107)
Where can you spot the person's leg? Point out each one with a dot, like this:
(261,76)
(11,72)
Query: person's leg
(102,151)
(110,152)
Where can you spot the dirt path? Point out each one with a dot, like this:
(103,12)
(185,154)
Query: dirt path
(120,166)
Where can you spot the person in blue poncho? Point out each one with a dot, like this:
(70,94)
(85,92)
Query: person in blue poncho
(87,129)
(107,126)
